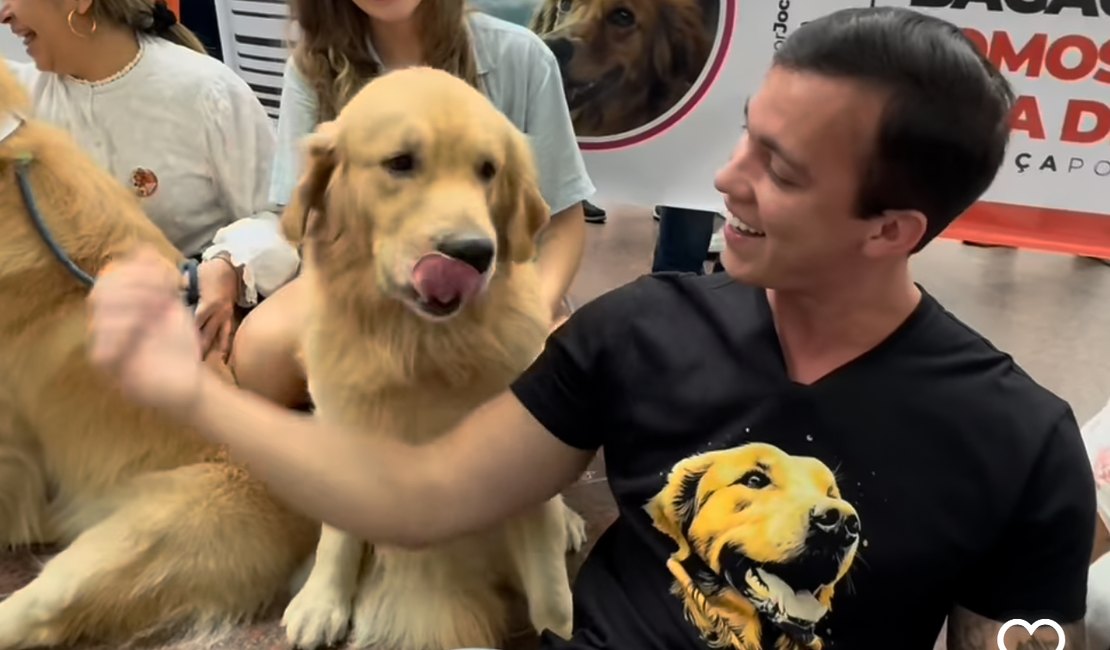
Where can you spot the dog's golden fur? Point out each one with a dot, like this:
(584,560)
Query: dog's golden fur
(159,533)
(626,62)
(737,516)
(416,158)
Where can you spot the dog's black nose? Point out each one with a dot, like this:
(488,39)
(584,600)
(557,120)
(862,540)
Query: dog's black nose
(833,520)
(477,251)
(562,48)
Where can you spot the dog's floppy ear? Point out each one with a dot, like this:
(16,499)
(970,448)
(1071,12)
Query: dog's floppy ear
(519,209)
(305,215)
(682,46)
(13,94)
(674,508)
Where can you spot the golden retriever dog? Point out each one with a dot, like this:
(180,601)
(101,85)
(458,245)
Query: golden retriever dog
(160,534)
(625,62)
(763,539)
(417,217)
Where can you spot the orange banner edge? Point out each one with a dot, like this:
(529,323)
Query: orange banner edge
(1042,229)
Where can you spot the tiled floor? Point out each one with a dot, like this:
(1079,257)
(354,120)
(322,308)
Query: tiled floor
(1051,312)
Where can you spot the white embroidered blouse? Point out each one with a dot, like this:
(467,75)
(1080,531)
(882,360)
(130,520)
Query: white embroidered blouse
(192,141)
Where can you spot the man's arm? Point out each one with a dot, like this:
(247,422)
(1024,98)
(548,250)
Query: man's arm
(1038,570)
(969,631)
(495,463)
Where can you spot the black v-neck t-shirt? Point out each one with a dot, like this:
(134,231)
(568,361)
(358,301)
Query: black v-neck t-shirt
(855,512)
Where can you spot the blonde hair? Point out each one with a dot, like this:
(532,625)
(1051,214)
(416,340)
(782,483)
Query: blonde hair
(333,53)
(140,15)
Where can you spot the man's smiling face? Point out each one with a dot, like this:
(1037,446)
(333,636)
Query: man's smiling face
(791,188)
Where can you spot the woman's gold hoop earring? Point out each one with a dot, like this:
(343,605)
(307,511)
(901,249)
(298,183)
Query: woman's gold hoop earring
(69,21)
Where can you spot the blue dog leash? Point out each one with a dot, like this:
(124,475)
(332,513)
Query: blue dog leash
(22,172)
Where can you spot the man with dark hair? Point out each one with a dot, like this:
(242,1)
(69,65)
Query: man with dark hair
(943,131)
(807,452)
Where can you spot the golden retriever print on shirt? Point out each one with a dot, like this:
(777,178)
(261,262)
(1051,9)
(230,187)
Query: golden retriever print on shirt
(763,539)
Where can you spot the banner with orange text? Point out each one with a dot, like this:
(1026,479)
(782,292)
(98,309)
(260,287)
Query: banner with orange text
(1054,191)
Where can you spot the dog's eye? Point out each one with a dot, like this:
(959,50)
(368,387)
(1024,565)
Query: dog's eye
(487,170)
(401,164)
(755,480)
(565,5)
(622,18)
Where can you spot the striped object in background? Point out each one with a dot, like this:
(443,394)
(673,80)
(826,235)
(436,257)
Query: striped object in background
(255,37)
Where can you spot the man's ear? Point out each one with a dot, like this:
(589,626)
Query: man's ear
(519,209)
(305,216)
(895,232)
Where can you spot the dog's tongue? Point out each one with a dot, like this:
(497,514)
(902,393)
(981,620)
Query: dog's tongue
(442,279)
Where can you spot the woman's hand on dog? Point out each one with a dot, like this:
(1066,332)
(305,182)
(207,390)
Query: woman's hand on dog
(142,334)
(219,288)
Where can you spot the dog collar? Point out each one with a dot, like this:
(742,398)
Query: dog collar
(9,124)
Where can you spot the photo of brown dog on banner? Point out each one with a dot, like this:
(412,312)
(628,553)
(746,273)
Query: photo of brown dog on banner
(625,65)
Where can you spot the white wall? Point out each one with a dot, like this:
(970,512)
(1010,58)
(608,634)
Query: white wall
(10,46)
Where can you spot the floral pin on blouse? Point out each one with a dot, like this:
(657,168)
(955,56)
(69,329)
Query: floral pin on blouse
(144,181)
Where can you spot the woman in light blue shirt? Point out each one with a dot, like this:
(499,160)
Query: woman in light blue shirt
(339,51)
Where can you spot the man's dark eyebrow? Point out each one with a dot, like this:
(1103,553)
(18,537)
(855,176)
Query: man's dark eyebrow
(773,145)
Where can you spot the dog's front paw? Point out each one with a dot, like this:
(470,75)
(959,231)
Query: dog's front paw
(316,617)
(558,620)
(576,530)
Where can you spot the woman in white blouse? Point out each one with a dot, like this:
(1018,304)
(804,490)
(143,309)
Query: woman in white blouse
(137,91)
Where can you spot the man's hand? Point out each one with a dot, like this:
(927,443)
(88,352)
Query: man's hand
(969,631)
(142,334)
(219,289)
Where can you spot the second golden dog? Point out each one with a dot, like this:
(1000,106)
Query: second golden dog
(159,533)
